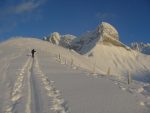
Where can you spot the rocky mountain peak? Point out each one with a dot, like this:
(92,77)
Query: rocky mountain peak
(103,34)
(107,31)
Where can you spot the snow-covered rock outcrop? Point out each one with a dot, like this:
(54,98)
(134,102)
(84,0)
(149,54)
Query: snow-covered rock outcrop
(54,38)
(61,40)
(141,47)
(104,34)
(66,40)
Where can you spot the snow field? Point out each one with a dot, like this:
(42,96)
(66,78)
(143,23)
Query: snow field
(84,86)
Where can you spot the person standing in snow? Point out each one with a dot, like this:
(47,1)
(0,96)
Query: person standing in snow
(33,51)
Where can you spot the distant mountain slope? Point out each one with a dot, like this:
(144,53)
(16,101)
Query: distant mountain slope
(141,47)
(62,40)
(104,34)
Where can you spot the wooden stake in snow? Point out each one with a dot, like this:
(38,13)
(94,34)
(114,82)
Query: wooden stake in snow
(59,57)
(129,77)
(108,72)
(71,61)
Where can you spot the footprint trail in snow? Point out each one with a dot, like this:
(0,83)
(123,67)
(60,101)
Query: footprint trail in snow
(31,87)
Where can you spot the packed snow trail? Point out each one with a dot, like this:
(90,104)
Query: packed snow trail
(16,93)
(5,65)
(58,104)
(30,87)
(28,105)
(38,85)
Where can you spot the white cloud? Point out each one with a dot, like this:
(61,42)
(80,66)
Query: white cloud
(22,10)
(25,7)
(28,6)
(22,7)
(104,16)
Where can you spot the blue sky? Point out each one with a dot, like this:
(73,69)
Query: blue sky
(39,18)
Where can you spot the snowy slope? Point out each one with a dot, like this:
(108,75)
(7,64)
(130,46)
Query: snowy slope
(119,60)
(54,81)
(107,54)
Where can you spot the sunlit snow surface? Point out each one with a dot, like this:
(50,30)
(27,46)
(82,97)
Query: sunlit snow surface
(59,80)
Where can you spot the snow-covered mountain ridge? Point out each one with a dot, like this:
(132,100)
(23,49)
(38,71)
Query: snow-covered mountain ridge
(103,48)
(103,34)
(141,47)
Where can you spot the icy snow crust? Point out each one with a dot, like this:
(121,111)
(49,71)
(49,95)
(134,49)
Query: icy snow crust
(59,80)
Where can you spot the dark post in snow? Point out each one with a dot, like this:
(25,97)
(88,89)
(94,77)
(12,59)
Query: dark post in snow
(129,77)
(108,72)
(71,61)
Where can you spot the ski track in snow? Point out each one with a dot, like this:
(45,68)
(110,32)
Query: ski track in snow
(58,104)
(28,105)
(17,88)
(29,70)
(6,61)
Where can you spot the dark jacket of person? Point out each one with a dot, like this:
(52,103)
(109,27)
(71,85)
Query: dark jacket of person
(33,51)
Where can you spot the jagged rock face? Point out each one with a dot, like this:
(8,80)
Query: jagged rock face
(106,32)
(54,38)
(62,40)
(44,38)
(141,47)
(66,40)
